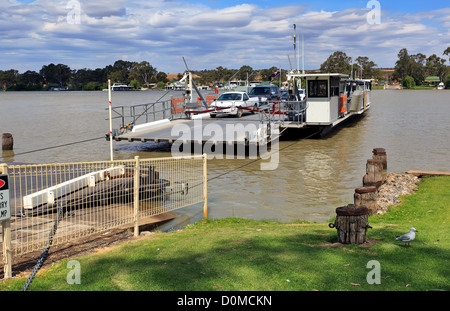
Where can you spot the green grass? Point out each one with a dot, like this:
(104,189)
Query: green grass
(245,255)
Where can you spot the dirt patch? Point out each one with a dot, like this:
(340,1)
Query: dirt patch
(369,242)
(24,264)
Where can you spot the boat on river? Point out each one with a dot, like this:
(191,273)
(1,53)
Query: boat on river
(331,99)
(121,87)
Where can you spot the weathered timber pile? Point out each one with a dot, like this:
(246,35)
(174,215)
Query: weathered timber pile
(351,224)
(393,187)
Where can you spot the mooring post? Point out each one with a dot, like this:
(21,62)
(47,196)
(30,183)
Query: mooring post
(374,173)
(366,196)
(379,154)
(7,141)
(351,224)
(205,187)
(6,230)
(136,196)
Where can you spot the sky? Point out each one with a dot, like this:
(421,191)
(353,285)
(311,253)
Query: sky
(212,33)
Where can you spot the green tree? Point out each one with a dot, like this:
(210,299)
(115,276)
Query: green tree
(367,67)
(92,86)
(408,82)
(8,78)
(447,82)
(244,72)
(135,84)
(401,65)
(56,74)
(409,65)
(162,77)
(31,79)
(338,62)
(435,66)
(120,71)
(447,52)
(142,72)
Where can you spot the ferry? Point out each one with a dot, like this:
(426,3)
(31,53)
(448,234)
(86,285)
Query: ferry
(121,87)
(330,99)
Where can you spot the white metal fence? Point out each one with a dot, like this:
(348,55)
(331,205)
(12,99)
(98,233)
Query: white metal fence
(82,199)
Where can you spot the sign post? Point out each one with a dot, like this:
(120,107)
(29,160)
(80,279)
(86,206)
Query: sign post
(110,122)
(5,215)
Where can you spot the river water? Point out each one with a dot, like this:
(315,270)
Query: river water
(313,176)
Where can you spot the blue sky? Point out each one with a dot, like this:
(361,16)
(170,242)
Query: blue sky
(212,33)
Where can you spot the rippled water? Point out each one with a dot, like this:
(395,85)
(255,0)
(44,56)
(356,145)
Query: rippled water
(313,177)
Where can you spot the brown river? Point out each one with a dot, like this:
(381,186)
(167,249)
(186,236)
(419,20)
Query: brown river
(313,177)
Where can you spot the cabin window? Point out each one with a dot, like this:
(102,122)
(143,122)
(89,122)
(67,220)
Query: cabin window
(318,88)
(334,86)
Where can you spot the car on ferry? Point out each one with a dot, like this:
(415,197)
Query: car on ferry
(230,103)
(266,92)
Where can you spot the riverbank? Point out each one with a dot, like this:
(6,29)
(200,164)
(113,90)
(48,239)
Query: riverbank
(244,255)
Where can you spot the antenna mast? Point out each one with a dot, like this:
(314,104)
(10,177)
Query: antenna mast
(303,56)
(295,47)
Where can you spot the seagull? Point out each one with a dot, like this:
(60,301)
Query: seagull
(408,237)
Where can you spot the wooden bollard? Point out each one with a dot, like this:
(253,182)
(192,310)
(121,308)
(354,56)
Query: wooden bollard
(351,224)
(379,154)
(7,141)
(366,196)
(374,173)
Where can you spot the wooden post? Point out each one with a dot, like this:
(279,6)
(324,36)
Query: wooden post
(6,230)
(374,173)
(366,196)
(351,224)
(7,141)
(379,154)
(205,187)
(137,178)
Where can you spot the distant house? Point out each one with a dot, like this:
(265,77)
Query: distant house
(432,80)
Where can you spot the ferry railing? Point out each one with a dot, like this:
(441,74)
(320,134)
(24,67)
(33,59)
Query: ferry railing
(90,198)
(144,113)
(282,112)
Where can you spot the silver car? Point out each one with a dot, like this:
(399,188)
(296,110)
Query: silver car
(232,104)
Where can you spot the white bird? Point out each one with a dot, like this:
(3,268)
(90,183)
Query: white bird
(408,237)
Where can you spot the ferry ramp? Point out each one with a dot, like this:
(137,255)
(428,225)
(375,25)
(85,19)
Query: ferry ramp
(201,129)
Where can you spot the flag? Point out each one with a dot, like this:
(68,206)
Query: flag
(275,74)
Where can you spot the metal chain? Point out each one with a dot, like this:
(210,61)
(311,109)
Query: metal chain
(44,253)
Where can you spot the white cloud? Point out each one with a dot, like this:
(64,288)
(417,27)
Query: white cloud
(162,31)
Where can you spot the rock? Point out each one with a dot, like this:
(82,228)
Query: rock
(394,186)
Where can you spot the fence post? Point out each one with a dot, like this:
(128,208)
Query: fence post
(136,196)
(6,233)
(205,187)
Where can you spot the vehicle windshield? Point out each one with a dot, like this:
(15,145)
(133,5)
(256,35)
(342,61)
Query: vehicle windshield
(260,91)
(230,96)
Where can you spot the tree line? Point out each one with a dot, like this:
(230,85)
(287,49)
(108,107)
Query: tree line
(363,68)
(413,69)
(407,68)
(142,74)
(60,75)
(136,74)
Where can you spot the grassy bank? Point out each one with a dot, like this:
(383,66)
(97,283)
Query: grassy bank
(237,255)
